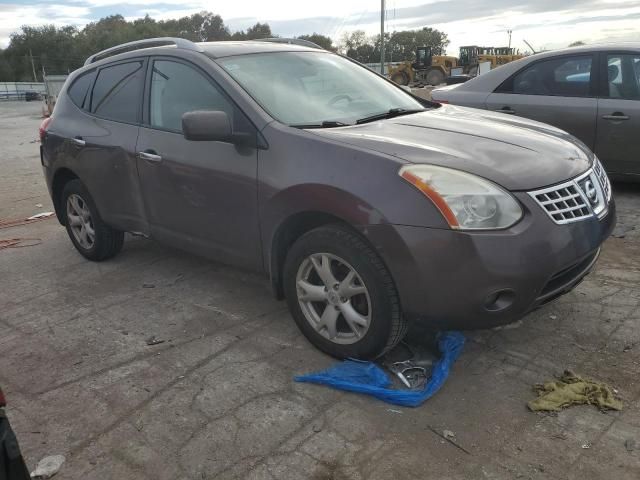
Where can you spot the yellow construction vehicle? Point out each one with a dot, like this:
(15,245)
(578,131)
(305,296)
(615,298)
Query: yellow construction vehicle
(506,55)
(472,55)
(434,69)
(428,68)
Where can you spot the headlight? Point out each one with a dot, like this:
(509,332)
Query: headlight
(466,201)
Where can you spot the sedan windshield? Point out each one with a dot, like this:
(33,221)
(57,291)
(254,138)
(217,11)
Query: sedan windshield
(317,89)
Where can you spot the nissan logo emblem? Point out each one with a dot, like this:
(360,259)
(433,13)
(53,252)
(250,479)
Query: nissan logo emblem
(591,192)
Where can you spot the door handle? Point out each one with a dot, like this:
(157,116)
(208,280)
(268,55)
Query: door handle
(616,116)
(507,110)
(78,141)
(150,157)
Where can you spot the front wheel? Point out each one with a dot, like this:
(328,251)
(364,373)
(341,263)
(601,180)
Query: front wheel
(401,78)
(435,77)
(93,238)
(341,295)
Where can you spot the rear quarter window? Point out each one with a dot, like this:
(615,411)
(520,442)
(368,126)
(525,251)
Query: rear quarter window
(117,93)
(78,90)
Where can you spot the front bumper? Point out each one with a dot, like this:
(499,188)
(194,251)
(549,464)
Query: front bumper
(463,280)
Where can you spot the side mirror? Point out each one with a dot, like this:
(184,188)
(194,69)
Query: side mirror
(207,125)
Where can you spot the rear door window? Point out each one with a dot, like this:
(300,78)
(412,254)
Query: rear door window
(564,77)
(78,90)
(623,76)
(117,93)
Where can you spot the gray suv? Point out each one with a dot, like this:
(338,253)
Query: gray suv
(367,208)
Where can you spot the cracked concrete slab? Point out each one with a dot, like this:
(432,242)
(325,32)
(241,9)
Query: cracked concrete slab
(216,399)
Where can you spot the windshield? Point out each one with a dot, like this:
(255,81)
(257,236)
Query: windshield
(309,88)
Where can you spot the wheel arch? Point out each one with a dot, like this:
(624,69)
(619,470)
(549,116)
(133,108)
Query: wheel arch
(60,179)
(285,235)
(296,210)
(294,227)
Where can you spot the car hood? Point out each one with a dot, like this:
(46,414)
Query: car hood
(514,152)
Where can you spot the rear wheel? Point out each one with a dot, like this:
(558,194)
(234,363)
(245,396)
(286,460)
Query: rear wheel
(89,234)
(341,295)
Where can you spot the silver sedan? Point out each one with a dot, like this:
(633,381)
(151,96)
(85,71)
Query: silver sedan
(592,92)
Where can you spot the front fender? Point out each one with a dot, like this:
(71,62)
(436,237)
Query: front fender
(307,205)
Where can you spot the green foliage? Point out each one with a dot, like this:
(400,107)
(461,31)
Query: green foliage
(579,43)
(60,50)
(6,71)
(321,40)
(49,45)
(399,46)
(258,31)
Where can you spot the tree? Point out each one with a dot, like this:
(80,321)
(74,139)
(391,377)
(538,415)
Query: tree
(321,40)
(399,46)
(353,41)
(577,44)
(213,28)
(63,49)
(50,47)
(358,46)
(199,27)
(6,71)
(259,30)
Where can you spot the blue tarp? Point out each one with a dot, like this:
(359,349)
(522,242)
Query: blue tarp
(368,378)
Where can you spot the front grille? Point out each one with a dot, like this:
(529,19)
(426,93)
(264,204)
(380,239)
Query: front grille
(577,199)
(598,169)
(563,203)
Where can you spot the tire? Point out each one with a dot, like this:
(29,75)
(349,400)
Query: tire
(106,242)
(401,78)
(434,77)
(344,251)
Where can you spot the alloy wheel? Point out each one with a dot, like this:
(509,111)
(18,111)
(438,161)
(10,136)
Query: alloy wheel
(80,221)
(333,298)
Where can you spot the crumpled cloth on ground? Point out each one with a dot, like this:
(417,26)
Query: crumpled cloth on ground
(571,389)
(368,378)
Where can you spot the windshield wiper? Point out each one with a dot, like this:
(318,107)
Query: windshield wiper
(394,112)
(325,124)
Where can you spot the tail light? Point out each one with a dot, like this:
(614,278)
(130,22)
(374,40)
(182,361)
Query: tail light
(441,102)
(43,128)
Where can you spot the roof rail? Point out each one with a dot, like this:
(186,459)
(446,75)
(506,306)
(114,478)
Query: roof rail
(147,42)
(292,41)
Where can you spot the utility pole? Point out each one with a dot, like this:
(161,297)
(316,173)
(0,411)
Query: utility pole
(509,32)
(382,8)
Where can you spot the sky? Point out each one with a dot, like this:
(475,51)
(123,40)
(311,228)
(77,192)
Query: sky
(545,24)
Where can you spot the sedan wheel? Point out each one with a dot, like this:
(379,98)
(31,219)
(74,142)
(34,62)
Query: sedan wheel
(333,298)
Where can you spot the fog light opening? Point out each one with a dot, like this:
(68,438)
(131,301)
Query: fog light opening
(499,300)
